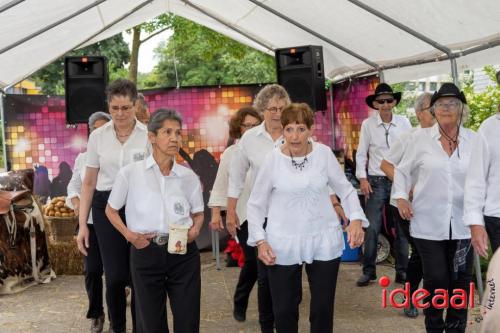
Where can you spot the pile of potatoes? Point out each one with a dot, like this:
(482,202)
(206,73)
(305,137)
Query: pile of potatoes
(57,208)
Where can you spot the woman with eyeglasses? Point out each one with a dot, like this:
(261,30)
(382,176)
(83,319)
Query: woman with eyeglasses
(438,158)
(245,119)
(121,141)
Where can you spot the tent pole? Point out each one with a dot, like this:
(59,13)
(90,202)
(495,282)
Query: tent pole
(2,115)
(227,24)
(332,116)
(50,26)
(454,71)
(320,36)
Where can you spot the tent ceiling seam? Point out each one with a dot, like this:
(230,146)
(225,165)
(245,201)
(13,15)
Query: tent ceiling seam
(320,36)
(10,5)
(50,26)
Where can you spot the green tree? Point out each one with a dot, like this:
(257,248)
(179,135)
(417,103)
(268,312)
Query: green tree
(115,49)
(196,55)
(483,104)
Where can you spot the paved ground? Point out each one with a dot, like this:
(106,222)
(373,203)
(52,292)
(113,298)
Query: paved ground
(60,306)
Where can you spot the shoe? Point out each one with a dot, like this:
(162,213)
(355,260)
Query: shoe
(411,312)
(239,315)
(97,324)
(365,279)
(400,278)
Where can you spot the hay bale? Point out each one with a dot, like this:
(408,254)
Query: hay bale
(65,258)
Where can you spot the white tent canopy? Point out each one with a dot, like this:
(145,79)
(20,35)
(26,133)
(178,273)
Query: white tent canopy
(403,39)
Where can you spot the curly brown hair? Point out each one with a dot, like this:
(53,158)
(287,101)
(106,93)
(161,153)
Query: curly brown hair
(239,117)
(297,113)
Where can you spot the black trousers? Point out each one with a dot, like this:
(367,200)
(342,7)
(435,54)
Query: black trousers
(248,273)
(157,274)
(414,271)
(92,265)
(492,225)
(115,258)
(437,260)
(286,291)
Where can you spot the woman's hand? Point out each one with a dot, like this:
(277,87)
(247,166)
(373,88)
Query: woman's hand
(232,222)
(139,241)
(216,222)
(193,233)
(82,239)
(365,187)
(405,209)
(266,254)
(355,234)
(479,240)
(341,214)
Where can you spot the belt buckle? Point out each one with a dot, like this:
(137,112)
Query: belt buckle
(161,239)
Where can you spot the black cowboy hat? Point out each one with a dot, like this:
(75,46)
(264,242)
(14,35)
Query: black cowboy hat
(448,89)
(382,89)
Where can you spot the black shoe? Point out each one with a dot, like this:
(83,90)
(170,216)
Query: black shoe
(411,312)
(365,279)
(400,278)
(239,315)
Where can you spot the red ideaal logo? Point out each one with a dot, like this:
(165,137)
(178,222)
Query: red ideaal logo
(441,299)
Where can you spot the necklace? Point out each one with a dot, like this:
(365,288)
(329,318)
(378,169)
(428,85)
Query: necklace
(299,165)
(125,135)
(452,142)
(387,134)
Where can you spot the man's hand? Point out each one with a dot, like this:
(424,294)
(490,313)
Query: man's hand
(193,233)
(266,254)
(405,209)
(82,239)
(216,222)
(355,234)
(365,187)
(232,222)
(139,241)
(479,240)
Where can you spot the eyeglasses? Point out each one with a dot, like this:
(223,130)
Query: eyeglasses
(450,105)
(384,100)
(247,126)
(124,108)
(274,109)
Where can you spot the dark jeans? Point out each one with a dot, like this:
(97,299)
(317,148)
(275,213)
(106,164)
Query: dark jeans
(492,225)
(264,299)
(381,187)
(414,268)
(248,273)
(286,290)
(437,260)
(115,258)
(156,275)
(92,265)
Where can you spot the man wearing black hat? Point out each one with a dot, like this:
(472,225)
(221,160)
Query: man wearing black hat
(377,133)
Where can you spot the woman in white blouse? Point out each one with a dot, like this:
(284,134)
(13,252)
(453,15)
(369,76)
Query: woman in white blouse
(244,119)
(92,263)
(438,157)
(116,144)
(292,190)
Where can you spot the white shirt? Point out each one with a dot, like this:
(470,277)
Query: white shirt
(482,186)
(438,195)
(106,153)
(373,143)
(75,184)
(218,195)
(253,148)
(152,201)
(395,154)
(302,225)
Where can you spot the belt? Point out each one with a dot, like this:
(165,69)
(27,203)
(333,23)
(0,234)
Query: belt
(160,239)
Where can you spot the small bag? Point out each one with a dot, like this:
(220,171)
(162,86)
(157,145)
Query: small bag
(177,239)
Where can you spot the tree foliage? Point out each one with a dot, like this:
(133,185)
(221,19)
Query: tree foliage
(196,55)
(51,77)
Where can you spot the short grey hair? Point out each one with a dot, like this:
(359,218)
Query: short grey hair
(142,100)
(420,101)
(99,115)
(159,117)
(268,93)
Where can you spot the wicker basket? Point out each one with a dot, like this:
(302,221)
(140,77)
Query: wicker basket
(62,229)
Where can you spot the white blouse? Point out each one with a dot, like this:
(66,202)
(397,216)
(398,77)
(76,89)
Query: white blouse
(302,225)
(75,184)
(438,195)
(482,186)
(106,153)
(218,195)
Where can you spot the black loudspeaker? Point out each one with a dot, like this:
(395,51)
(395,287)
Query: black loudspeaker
(300,70)
(85,81)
